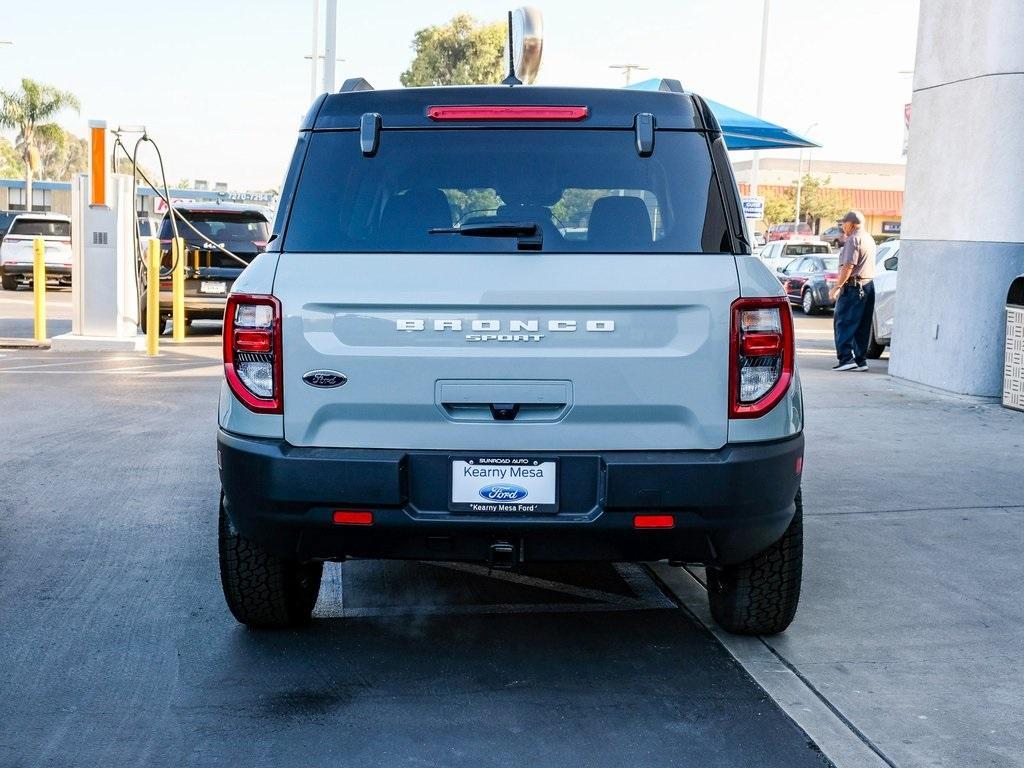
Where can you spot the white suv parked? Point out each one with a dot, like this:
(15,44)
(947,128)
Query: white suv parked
(17,249)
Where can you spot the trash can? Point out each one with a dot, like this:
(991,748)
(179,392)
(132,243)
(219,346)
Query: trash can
(1013,362)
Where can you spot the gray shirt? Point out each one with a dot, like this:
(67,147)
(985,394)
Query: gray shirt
(859,250)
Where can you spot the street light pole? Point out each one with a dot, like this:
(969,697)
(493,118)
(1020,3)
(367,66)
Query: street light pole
(628,69)
(330,45)
(755,160)
(800,178)
(315,56)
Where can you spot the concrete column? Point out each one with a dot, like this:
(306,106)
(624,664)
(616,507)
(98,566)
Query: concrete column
(963,223)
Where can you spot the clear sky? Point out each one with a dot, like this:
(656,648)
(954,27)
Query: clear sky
(222,84)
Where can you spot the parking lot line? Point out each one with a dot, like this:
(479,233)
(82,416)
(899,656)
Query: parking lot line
(82,361)
(808,351)
(647,595)
(841,741)
(148,370)
(651,598)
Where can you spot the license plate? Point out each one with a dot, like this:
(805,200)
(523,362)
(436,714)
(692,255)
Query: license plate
(499,484)
(213,287)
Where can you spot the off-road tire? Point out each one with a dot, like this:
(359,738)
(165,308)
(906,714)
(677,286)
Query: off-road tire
(143,321)
(807,303)
(759,596)
(263,590)
(9,282)
(874,350)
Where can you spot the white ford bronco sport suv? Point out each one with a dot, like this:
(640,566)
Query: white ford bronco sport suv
(510,325)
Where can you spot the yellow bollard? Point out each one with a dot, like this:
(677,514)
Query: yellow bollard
(178,257)
(39,286)
(153,299)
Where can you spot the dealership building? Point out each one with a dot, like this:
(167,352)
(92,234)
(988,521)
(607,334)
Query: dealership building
(875,189)
(55,197)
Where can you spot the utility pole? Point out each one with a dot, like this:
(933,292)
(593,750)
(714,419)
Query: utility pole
(800,177)
(755,161)
(330,44)
(628,69)
(315,56)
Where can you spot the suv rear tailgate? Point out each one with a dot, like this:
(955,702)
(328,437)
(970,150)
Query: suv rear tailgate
(646,367)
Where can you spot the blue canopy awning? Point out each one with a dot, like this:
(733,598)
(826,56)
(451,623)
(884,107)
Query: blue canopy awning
(742,131)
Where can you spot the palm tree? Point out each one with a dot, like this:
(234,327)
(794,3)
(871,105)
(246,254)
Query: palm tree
(30,110)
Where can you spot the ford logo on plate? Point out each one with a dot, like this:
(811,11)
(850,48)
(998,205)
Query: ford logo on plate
(503,493)
(324,379)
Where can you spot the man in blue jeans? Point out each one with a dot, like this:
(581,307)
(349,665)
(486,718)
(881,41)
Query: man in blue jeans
(854,295)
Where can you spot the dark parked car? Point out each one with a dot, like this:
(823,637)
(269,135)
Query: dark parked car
(807,281)
(834,236)
(209,272)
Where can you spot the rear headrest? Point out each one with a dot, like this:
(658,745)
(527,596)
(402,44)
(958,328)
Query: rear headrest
(409,215)
(619,224)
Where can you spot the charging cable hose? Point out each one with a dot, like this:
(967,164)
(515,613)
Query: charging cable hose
(174,214)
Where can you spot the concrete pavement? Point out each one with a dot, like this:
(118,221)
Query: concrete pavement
(116,647)
(911,619)
(905,650)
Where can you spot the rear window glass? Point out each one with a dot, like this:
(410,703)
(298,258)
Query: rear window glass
(221,227)
(585,190)
(831,263)
(41,228)
(807,248)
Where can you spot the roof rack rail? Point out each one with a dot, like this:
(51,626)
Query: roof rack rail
(355,84)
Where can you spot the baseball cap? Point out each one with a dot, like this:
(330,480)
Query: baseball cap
(853,217)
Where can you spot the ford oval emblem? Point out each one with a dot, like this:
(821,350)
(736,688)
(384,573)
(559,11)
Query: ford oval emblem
(503,492)
(324,379)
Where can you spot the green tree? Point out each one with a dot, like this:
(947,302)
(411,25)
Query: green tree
(467,203)
(74,160)
(61,154)
(10,160)
(461,52)
(779,207)
(818,201)
(30,111)
(573,209)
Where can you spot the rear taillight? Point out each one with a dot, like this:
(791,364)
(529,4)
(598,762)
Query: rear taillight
(760,355)
(252,351)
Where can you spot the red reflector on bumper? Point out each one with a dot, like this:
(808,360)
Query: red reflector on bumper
(654,521)
(352,517)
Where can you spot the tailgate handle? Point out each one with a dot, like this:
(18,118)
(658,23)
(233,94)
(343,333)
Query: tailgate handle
(490,401)
(504,411)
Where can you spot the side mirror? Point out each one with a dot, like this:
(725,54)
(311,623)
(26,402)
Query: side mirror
(891,263)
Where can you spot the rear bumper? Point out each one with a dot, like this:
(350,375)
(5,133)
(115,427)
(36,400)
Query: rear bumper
(201,305)
(53,271)
(727,504)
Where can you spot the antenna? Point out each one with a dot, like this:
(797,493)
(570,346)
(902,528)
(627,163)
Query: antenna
(511,79)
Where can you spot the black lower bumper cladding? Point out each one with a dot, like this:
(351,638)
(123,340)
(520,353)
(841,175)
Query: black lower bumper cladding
(726,505)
